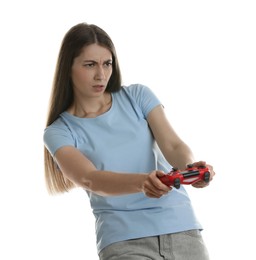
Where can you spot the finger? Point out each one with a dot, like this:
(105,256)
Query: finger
(157,183)
(156,192)
(152,191)
(153,194)
(199,163)
(200,184)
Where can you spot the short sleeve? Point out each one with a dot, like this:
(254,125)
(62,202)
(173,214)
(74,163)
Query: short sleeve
(56,136)
(144,98)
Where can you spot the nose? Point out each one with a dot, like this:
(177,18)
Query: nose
(100,74)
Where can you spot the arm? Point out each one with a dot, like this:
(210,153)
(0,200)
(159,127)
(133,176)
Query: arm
(176,152)
(81,171)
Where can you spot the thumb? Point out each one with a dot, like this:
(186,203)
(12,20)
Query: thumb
(160,173)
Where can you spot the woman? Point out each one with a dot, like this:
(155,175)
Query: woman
(115,142)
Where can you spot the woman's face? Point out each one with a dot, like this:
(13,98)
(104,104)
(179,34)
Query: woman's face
(91,71)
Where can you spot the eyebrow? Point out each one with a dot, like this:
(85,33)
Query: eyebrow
(89,61)
(96,61)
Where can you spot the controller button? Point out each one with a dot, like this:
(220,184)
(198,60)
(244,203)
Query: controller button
(207,177)
(176,183)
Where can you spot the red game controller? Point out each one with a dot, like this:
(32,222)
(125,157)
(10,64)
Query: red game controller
(191,175)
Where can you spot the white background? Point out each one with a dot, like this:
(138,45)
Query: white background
(199,57)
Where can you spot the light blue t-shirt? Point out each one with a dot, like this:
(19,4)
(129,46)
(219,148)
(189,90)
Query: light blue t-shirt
(120,140)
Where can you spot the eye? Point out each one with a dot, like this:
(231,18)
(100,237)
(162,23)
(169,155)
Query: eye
(108,64)
(89,65)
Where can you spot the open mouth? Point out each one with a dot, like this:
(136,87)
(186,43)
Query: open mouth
(98,88)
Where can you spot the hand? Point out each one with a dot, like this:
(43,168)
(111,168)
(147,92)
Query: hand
(153,187)
(202,184)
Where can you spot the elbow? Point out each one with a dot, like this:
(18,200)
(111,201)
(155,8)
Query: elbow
(85,183)
(81,181)
(91,183)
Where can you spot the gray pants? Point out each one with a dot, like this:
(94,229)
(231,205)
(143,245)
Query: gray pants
(186,245)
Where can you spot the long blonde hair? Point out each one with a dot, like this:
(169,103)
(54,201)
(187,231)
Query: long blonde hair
(76,38)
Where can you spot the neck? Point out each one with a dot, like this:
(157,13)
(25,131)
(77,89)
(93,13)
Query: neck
(91,108)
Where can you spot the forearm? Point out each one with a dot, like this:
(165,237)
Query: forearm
(177,153)
(179,156)
(106,183)
(80,170)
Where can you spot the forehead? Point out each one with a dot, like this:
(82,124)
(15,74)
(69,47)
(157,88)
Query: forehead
(95,52)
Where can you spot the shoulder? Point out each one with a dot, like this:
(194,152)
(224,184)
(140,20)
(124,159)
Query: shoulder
(58,125)
(139,92)
(142,96)
(136,89)
(57,134)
